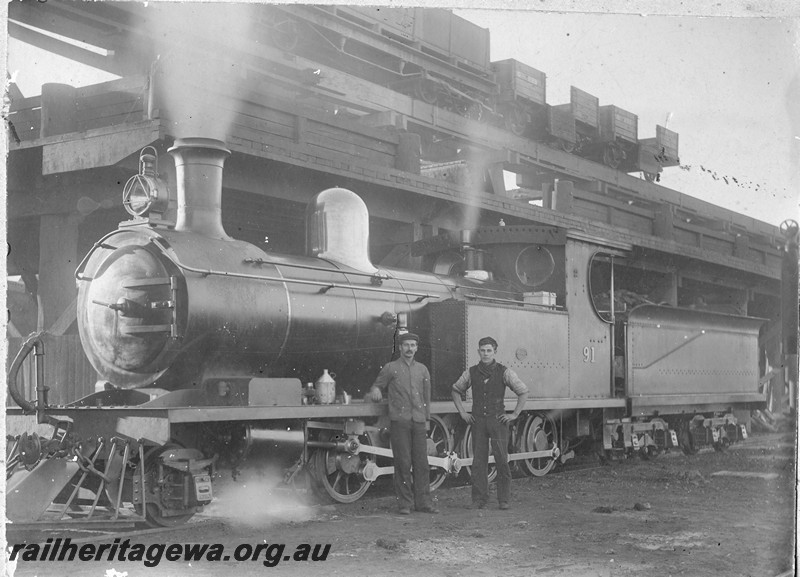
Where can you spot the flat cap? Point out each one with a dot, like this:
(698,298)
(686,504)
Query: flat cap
(407,337)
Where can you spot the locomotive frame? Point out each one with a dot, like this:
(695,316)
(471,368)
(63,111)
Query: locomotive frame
(152,444)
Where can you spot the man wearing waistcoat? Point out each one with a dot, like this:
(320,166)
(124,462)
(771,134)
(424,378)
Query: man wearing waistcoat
(409,389)
(489,420)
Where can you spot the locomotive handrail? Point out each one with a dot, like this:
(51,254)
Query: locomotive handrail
(35,343)
(325,285)
(100,243)
(473,296)
(375,275)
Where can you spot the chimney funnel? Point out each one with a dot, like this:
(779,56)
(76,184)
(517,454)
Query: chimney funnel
(198,172)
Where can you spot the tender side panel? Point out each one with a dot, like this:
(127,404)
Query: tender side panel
(679,356)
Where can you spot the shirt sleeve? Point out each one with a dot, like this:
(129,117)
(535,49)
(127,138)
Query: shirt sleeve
(462,384)
(514,383)
(383,378)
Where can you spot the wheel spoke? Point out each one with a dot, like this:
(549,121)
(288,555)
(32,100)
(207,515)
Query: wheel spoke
(331,480)
(539,434)
(337,481)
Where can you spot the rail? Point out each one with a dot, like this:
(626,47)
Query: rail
(325,286)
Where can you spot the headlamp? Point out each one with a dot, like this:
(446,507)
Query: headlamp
(145,192)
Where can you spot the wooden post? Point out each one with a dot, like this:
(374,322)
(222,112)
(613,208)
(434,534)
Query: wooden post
(58,258)
(663,225)
(669,290)
(59,109)
(300,127)
(419,232)
(789,306)
(496,178)
(407,158)
(547,195)
(741,246)
(563,196)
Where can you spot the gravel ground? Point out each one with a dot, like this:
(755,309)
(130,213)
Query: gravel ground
(674,515)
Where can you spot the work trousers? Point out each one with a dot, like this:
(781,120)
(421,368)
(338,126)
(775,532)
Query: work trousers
(483,429)
(410,449)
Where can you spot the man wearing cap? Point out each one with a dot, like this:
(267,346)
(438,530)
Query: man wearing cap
(409,388)
(489,420)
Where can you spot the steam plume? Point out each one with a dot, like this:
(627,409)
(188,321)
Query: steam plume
(199,71)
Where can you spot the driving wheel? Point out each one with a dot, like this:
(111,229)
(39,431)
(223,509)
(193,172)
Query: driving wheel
(467,451)
(539,434)
(440,444)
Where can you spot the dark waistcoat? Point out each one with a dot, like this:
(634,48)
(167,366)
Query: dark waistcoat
(488,393)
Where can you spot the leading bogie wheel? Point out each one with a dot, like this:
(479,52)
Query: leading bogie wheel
(339,475)
(154,515)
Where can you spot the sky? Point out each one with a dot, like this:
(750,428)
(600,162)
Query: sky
(729,86)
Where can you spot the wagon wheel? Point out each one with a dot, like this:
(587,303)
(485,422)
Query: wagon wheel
(152,513)
(539,433)
(722,445)
(465,449)
(647,452)
(426,90)
(284,35)
(613,156)
(724,441)
(440,444)
(789,228)
(560,144)
(652,451)
(339,475)
(515,120)
(566,145)
(686,440)
(609,456)
(474,111)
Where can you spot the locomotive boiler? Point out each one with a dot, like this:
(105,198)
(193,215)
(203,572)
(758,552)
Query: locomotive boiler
(168,306)
(203,343)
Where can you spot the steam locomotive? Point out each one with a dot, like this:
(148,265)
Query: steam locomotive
(207,346)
